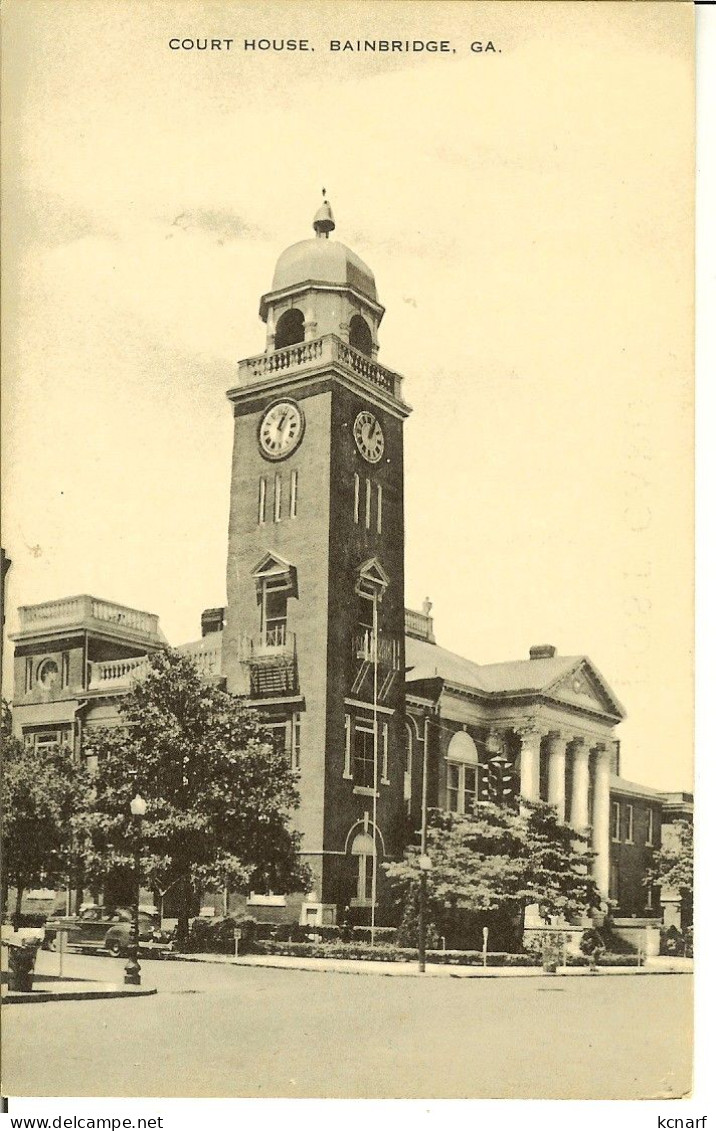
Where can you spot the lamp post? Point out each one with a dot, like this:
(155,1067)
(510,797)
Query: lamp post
(424,862)
(132,971)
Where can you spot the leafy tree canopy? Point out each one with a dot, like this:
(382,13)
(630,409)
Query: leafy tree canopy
(39,793)
(673,864)
(218,796)
(499,860)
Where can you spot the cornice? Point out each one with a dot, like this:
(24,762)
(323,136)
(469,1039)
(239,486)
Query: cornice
(329,371)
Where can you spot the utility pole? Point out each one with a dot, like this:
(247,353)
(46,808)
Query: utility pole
(425,863)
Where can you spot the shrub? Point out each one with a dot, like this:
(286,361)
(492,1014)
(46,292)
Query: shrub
(689,942)
(671,941)
(329,933)
(591,941)
(382,934)
(33,919)
(216,936)
(388,953)
(198,938)
(266,930)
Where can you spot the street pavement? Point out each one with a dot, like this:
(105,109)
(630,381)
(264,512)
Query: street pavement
(224,1030)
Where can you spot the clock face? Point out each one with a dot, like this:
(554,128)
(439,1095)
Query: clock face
(280,430)
(369,437)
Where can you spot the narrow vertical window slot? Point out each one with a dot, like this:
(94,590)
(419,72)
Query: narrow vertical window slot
(262,500)
(367,504)
(347,753)
(356,498)
(277,499)
(384,768)
(379,509)
(293,504)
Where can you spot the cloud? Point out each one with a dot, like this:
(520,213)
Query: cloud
(222,223)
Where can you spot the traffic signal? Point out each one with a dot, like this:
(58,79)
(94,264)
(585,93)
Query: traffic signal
(504,784)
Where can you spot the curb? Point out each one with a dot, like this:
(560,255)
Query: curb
(12,997)
(409,971)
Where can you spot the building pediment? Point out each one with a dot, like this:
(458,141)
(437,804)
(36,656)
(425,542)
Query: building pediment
(275,571)
(372,578)
(585,687)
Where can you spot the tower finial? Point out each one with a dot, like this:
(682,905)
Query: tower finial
(323,222)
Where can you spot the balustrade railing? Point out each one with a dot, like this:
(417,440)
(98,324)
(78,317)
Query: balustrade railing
(116,673)
(80,609)
(274,643)
(319,351)
(419,625)
(206,656)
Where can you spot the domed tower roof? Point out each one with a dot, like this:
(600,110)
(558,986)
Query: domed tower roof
(322,260)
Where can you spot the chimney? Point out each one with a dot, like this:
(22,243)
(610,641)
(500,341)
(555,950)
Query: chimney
(543,652)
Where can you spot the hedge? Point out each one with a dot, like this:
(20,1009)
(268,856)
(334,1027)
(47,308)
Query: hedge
(382,953)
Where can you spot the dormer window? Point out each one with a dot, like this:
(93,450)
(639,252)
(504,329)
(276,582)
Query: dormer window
(290,329)
(359,335)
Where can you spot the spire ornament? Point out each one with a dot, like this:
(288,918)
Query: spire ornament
(323,222)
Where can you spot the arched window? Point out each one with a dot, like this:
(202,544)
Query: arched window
(363,848)
(359,335)
(290,328)
(461,773)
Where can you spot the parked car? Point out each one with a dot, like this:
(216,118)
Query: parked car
(102,928)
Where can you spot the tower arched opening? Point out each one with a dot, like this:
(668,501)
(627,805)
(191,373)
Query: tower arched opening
(359,335)
(290,328)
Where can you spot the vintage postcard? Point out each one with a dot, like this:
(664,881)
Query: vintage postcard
(348,550)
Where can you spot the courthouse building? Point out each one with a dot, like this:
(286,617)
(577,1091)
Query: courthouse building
(315,633)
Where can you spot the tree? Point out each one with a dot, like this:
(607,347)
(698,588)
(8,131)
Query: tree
(218,796)
(39,792)
(495,863)
(557,876)
(673,864)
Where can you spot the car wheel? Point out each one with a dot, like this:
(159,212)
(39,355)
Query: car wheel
(114,948)
(50,944)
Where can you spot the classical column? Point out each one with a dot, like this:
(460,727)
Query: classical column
(530,734)
(494,742)
(600,819)
(579,813)
(555,772)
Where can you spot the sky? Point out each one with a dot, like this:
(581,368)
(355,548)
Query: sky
(527,213)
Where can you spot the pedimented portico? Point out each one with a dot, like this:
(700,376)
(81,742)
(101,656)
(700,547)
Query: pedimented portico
(546,724)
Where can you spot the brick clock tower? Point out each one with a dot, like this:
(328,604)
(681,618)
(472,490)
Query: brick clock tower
(314,634)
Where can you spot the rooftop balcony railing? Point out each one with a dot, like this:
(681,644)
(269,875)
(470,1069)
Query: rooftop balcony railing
(273,644)
(386,649)
(110,675)
(419,625)
(206,654)
(317,353)
(79,610)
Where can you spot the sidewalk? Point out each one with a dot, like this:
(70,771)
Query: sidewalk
(55,990)
(55,987)
(410,969)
